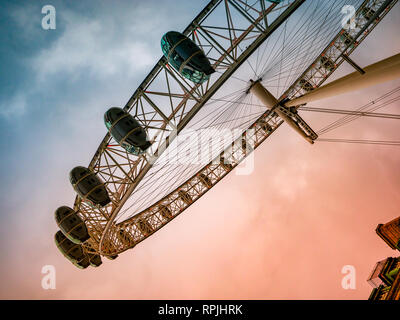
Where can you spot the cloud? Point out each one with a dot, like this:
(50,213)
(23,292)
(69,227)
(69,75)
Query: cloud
(91,45)
(112,44)
(27,19)
(15,105)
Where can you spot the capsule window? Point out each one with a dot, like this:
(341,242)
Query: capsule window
(177,58)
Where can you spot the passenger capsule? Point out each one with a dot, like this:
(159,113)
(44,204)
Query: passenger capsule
(94,258)
(186,57)
(71,225)
(89,186)
(72,251)
(126,130)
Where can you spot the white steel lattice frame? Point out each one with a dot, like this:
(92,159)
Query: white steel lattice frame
(343,44)
(122,171)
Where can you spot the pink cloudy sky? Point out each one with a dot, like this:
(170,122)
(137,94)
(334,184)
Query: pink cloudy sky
(283,232)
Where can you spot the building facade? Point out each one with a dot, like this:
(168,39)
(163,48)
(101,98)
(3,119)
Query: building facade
(390,233)
(385,277)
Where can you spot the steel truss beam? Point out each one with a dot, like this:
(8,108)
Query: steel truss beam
(379,72)
(343,44)
(196,186)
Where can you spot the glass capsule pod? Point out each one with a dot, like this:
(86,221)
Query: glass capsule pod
(112,257)
(89,186)
(126,130)
(94,258)
(71,225)
(186,57)
(72,251)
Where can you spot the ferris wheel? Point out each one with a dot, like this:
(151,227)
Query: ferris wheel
(224,85)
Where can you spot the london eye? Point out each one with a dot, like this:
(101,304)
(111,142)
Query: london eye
(220,89)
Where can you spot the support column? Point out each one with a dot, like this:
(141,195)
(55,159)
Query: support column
(352,63)
(264,95)
(380,72)
(270,102)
